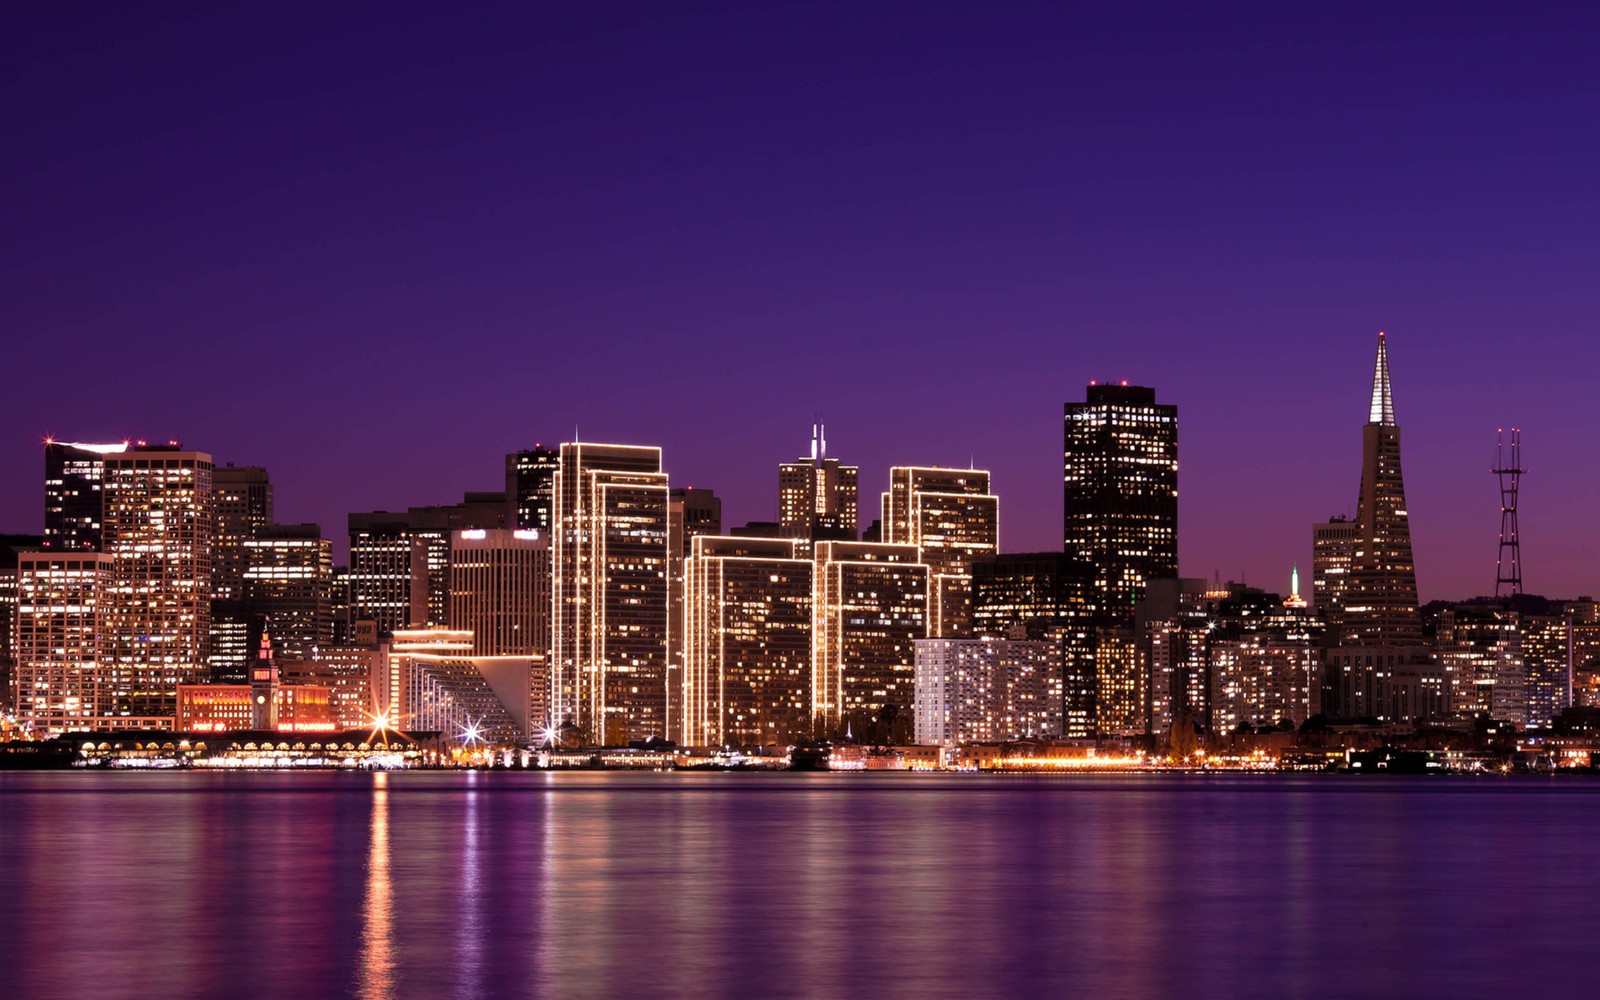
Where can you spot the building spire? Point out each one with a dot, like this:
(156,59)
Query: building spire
(1382,399)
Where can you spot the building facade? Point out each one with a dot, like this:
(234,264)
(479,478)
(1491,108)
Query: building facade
(159,532)
(870,604)
(609,589)
(953,518)
(73,505)
(818,497)
(977,690)
(60,639)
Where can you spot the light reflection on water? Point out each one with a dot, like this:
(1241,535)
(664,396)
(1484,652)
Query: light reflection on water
(528,884)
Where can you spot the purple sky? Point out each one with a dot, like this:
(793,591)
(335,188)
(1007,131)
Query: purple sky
(374,247)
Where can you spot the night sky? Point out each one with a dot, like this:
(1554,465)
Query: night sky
(375,246)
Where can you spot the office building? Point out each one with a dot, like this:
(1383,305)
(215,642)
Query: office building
(870,605)
(159,531)
(500,590)
(818,498)
(288,581)
(388,576)
(73,506)
(691,513)
(977,690)
(1375,629)
(1479,648)
(951,516)
(610,563)
(1050,598)
(1120,515)
(243,506)
(1547,658)
(748,611)
(60,639)
(530,488)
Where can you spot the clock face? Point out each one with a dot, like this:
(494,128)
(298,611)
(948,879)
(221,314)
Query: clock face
(261,699)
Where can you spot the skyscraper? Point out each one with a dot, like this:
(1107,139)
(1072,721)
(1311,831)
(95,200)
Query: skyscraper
(530,486)
(1376,665)
(1120,515)
(500,590)
(243,505)
(748,643)
(609,630)
(1380,604)
(818,497)
(951,516)
(388,575)
(870,607)
(60,636)
(159,531)
(73,505)
(1049,597)
(288,580)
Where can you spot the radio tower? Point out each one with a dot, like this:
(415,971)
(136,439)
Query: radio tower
(1508,566)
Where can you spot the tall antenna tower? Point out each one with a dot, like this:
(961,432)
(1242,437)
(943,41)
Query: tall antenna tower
(1508,566)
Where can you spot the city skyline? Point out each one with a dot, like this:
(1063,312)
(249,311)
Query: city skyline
(1223,209)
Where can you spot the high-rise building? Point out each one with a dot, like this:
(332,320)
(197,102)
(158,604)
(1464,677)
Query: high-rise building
(1170,678)
(1050,597)
(953,518)
(1480,650)
(288,579)
(388,576)
(339,604)
(530,488)
(818,498)
(974,690)
(870,605)
(1380,605)
(12,547)
(691,513)
(748,617)
(73,505)
(1547,655)
(1120,515)
(60,639)
(243,506)
(1377,665)
(500,590)
(609,589)
(159,532)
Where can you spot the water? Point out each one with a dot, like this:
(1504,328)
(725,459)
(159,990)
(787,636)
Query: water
(477,885)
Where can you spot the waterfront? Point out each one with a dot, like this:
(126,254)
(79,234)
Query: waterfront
(480,884)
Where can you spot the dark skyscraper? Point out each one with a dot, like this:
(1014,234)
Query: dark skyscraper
(530,485)
(243,506)
(72,502)
(1380,603)
(1120,515)
(1048,596)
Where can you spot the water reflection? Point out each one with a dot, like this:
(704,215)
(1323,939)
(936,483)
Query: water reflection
(375,975)
(577,885)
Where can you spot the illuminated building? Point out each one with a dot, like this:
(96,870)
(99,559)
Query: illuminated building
(339,604)
(11,549)
(1332,547)
(400,562)
(263,705)
(500,590)
(236,631)
(1294,600)
(748,616)
(870,605)
(1120,515)
(530,488)
(1264,658)
(818,498)
(1048,596)
(60,638)
(388,572)
(1547,657)
(1378,666)
(691,513)
(971,690)
(243,506)
(1380,604)
(435,684)
(1585,616)
(1480,650)
(609,632)
(288,571)
(158,530)
(951,516)
(356,677)
(1173,623)
(73,505)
